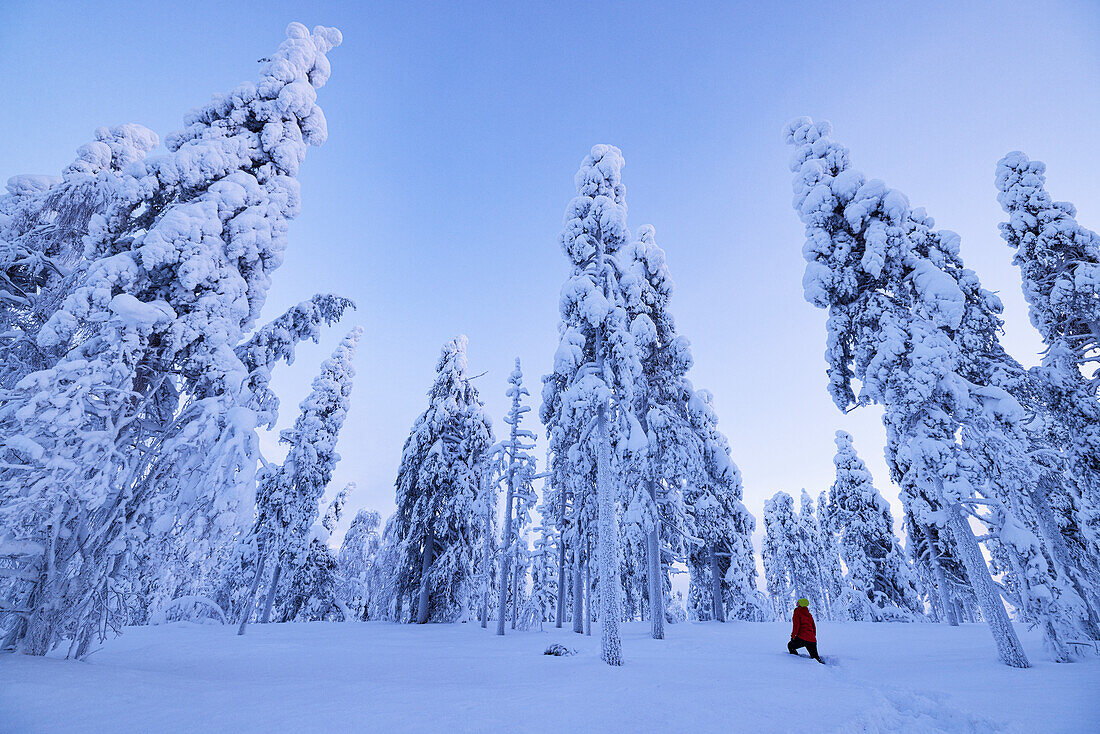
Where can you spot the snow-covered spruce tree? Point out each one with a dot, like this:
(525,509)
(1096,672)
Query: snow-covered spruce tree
(894,314)
(357,571)
(179,267)
(879,575)
(313,592)
(832,571)
(544,582)
(519,494)
(780,524)
(587,401)
(43,221)
(287,501)
(438,524)
(712,499)
(661,397)
(807,550)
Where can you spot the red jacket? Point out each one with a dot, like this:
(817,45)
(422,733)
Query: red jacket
(804,627)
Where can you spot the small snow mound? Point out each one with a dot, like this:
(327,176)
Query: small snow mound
(914,713)
(559,650)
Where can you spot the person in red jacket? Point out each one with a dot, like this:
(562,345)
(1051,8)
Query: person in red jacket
(804,632)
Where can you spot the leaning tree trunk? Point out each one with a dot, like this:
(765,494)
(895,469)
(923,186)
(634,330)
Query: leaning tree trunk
(942,592)
(271,593)
(989,597)
(250,600)
(718,607)
(425,567)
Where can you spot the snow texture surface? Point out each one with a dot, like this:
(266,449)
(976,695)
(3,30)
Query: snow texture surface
(707,677)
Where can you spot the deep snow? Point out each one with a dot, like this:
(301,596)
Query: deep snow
(382,677)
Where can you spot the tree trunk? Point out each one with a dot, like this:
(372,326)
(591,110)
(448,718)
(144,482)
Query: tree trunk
(250,600)
(989,597)
(653,572)
(943,593)
(718,606)
(271,593)
(561,563)
(488,554)
(515,595)
(607,539)
(578,590)
(505,558)
(588,597)
(425,567)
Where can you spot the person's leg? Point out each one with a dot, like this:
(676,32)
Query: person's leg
(811,647)
(792,648)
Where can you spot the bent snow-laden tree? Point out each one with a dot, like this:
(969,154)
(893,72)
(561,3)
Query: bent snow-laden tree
(179,268)
(879,576)
(439,522)
(588,399)
(895,312)
(1059,263)
(43,220)
(287,501)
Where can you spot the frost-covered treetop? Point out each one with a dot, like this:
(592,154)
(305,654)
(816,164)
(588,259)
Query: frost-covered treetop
(113,148)
(1059,260)
(864,244)
(596,217)
(850,469)
(282,103)
(197,232)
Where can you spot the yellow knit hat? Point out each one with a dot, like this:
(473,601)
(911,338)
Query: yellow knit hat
(803,602)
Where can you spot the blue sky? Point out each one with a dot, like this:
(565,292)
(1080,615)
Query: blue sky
(456,128)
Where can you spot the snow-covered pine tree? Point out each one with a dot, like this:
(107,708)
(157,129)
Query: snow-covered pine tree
(313,585)
(712,499)
(1059,263)
(879,576)
(438,526)
(894,314)
(194,555)
(519,493)
(287,502)
(43,221)
(357,570)
(179,268)
(588,398)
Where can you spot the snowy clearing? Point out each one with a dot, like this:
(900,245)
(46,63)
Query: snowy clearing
(707,677)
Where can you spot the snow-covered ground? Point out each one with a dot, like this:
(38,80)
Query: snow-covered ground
(381,677)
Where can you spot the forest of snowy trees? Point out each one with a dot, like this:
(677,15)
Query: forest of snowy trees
(135,379)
